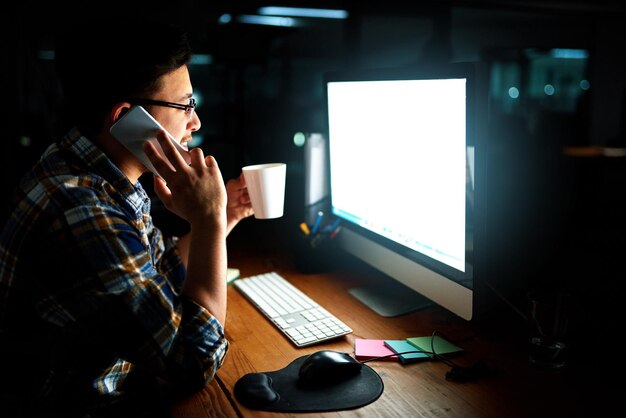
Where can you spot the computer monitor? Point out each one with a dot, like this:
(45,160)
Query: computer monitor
(403,168)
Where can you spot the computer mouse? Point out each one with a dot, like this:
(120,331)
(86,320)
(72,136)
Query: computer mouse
(327,367)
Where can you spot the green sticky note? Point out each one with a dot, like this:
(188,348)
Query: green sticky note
(442,346)
(402,346)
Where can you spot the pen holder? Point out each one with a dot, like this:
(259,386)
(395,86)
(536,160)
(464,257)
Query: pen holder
(315,254)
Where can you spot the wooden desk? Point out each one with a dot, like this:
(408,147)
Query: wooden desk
(415,390)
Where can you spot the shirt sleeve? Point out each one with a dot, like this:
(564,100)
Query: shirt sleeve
(125,307)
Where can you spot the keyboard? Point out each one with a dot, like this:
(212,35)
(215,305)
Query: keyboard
(302,320)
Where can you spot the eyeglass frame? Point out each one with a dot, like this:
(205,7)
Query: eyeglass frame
(151,102)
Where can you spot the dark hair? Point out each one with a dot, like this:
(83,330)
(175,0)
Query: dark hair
(101,63)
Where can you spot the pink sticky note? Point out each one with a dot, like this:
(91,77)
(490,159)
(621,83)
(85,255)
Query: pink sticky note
(365,349)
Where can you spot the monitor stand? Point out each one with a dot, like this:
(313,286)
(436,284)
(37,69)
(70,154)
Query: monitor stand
(391,299)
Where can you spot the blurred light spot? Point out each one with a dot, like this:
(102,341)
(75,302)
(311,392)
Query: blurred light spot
(514,92)
(224,19)
(548,89)
(196,141)
(199,98)
(303,12)
(584,84)
(25,141)
(299,139)
(201,59)
(577,54)
(46,55)
(267,20)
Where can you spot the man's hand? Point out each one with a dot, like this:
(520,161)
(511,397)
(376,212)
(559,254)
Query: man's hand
(194,192)
(239,206)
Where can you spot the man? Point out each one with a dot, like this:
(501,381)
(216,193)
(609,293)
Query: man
(99,314)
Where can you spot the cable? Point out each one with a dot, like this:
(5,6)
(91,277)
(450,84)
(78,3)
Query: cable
(396,354)
(461,373)
(443,359)
(505,300)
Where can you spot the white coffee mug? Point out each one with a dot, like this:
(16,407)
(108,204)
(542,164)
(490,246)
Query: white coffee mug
(266,187)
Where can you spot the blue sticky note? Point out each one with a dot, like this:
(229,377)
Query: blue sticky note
(402,346)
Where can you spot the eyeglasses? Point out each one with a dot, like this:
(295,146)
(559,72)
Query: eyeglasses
(188,108)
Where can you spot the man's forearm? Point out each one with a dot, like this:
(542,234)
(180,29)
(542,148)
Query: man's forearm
(206,268)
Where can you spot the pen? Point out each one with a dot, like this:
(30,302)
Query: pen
(335,225)
(305,228)
(318,220)
(328,228)
(316,240)
(335,232)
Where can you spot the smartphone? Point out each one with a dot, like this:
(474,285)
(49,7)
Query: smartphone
(136,127)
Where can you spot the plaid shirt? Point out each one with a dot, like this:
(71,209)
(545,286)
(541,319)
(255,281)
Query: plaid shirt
(90,303)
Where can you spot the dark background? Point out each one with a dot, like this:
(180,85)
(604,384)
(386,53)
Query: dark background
(555,220)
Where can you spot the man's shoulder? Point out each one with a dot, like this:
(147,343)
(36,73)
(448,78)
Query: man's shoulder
(59,176)
(72,173)
(55,187)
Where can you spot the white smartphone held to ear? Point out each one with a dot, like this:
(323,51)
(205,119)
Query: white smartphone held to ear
(136,127)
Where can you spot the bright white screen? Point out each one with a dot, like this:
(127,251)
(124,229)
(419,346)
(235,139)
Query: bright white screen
(398,163)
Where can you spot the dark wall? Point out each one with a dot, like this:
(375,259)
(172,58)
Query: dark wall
(261,85)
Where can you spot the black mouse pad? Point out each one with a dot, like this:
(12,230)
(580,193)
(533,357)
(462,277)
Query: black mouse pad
(278,391)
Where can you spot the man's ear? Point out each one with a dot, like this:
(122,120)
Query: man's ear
(117,112)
